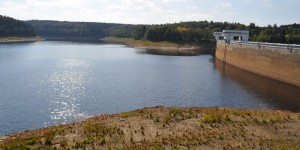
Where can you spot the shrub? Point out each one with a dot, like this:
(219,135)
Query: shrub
(211,119)
(101,141)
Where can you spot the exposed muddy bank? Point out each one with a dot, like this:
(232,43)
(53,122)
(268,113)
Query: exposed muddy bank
(164,48)
(6,40)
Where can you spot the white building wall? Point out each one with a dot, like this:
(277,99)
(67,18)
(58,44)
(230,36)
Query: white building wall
(233,35)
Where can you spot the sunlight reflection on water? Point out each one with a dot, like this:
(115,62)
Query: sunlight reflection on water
(67,86)
(50,82)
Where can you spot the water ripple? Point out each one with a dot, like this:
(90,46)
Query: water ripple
(67,84)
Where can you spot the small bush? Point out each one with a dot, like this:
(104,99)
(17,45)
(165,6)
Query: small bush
(126,114)
(156,120)
(101,141)
(211,119)
(167,119)
(176,112)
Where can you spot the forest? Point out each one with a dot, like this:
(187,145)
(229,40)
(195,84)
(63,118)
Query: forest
(54,29)
(184,32)
(193,32)
(12,27)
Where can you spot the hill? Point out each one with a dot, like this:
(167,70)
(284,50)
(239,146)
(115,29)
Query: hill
(10,27)
(65,29)
(194,32)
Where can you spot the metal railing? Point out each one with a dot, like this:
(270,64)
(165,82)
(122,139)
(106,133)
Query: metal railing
(272,45)
(264,44)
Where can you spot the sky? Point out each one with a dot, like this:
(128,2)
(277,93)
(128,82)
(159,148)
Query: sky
(260,12)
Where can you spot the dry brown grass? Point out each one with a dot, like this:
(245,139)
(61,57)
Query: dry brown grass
(165,48)
(19,39)
(169,128)
(140,43)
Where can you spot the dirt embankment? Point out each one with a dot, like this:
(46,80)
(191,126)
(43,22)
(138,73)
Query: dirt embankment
(169,128)
(164,48)
(19,39)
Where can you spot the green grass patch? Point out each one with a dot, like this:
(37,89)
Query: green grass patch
(216,118)
(126,114)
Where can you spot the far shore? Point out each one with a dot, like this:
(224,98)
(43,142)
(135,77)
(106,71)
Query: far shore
(163,48)
(159,48)
(20,39)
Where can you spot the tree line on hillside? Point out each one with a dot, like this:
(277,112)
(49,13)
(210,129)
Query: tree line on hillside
(56,29)
(183,32)
(47,28)
(197,32)
(11,27)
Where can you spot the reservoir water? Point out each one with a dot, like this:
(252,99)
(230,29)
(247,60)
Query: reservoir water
(51,82)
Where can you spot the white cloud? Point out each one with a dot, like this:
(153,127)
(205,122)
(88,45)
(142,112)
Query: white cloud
(150,11)
(167,1)
(263,2)
(225,5)
(266,2)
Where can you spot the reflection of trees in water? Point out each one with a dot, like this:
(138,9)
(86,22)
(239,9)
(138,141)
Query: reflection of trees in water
(285,96)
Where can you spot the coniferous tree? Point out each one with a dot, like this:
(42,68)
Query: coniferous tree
(11,27)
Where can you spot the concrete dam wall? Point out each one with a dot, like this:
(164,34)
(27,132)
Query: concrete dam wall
(278,62)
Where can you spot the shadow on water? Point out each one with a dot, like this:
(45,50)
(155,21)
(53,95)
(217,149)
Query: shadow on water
(77,40)
(284,96)
(172,52)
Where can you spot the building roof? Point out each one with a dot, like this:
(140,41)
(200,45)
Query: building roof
(236,31)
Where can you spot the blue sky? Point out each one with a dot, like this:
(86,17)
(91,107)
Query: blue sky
(261,12)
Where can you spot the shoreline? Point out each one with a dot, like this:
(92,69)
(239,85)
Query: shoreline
(168,128)
(8,40)
(163,48)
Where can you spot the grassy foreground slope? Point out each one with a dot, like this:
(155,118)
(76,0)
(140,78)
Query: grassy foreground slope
(169,128)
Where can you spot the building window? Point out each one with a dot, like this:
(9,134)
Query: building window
(236,38)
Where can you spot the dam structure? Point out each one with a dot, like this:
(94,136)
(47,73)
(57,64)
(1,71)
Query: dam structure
(272,60)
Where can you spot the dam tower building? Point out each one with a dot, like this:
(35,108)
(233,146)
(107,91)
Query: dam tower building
(232,35)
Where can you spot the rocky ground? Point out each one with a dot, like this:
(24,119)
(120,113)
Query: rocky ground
(169,128)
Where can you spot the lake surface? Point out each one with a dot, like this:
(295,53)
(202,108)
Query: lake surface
(50,82)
